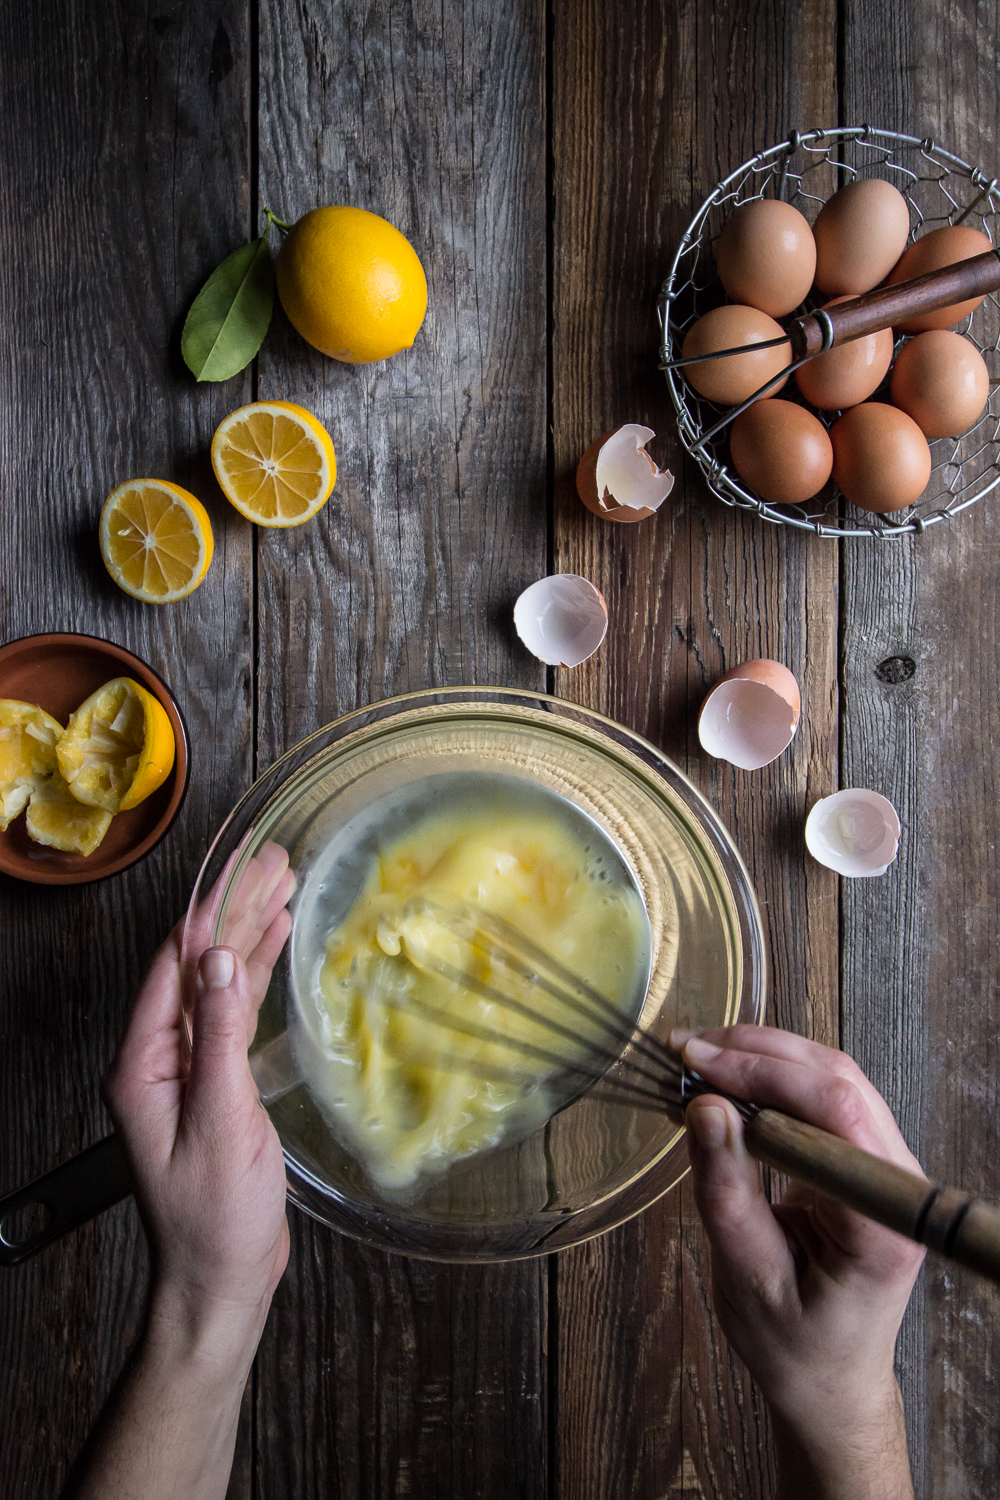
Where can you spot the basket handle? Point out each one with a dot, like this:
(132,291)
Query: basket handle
(825,329)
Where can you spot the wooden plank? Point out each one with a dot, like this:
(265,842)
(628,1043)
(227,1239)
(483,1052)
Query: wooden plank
(921,948)
(651,106)
(124,149)
(379,1376)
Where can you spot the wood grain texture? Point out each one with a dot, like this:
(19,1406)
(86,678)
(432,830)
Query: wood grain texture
(118,128)
(379,1377)
(652,104)
(921,951)
(433,118)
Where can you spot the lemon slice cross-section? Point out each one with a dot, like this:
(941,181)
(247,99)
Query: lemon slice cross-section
(156,540)
(275,462)
(28,739)
(118,747)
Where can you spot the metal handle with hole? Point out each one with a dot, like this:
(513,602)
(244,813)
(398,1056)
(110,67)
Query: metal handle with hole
(71,1194)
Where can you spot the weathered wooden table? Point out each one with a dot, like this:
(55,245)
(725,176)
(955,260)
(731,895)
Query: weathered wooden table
(543,160)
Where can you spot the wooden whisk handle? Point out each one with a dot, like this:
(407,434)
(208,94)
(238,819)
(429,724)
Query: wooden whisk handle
(957,1226)
(888,305)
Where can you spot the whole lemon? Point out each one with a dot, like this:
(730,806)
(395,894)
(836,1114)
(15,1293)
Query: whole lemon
(351,284)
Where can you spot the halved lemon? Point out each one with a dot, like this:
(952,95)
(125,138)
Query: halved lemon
(28,739)
(56,818)
(118,747)
(274,462)
(156,540)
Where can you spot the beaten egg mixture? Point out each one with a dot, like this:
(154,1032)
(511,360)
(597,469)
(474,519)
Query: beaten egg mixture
(409,1096)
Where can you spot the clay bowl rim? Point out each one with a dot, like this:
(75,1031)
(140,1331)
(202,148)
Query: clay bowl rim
(181,772)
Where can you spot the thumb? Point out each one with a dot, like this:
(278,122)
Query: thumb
(748,1243)
(219,1076)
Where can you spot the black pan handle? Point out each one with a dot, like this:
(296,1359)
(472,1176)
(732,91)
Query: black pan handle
(77,1191)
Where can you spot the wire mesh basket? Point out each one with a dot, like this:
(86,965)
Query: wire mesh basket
(805,170)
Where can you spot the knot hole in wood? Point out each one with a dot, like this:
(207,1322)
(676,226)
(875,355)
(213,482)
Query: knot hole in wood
(895,669)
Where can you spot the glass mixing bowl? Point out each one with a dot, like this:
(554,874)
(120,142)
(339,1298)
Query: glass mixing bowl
(595,1163)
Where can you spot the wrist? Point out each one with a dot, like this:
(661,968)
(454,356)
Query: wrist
(843,1445)
(213,1338)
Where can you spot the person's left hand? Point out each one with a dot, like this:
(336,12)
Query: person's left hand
(206,1162)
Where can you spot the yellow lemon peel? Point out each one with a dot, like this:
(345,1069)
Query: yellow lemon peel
(351,284)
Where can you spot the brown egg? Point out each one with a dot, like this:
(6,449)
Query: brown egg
(848,374)
(940,380)
(782,451)
(860,234)
(881,460)
(766,256)
(730,381)
(942,247)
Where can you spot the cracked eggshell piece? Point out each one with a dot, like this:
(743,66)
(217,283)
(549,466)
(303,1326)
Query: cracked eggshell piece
(751,714)
(855,832)
(561,619)
(617,479)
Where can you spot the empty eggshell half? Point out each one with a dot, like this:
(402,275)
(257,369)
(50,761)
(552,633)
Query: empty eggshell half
(562,619)
(617,479)
(855,832)
(751,714)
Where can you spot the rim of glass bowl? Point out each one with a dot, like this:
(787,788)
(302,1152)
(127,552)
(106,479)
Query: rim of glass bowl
(224,856)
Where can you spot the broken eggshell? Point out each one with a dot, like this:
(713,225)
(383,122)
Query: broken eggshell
(617,479)
(751,714)
(561,619)
(855,832)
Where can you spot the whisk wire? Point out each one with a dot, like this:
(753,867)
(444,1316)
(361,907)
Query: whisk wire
(467,980)
(658,1079)
(599,1007)
(621,1089)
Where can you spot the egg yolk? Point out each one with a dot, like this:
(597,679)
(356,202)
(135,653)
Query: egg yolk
(432,1045)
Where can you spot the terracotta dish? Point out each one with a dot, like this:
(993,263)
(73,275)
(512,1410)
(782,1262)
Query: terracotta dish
(58,672)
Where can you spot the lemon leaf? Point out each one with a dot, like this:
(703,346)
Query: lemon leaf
(231,314)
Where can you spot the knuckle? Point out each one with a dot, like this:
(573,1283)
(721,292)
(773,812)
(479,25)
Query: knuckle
(846,1106)
(724,1204)
(843,1066)
(216,1034)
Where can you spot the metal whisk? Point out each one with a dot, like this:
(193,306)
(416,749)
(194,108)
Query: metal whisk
(594,1048)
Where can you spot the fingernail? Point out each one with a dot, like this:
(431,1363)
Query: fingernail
(217,967)
(696,1051)
(709,1126)
(679,1036)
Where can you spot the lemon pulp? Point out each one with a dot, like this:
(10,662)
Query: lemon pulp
(57,819)
(275,462)
(28,739)
(156,540)
(409,1063)
(118,747)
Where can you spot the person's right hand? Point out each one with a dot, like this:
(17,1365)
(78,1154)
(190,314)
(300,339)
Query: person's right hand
(809,1293)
